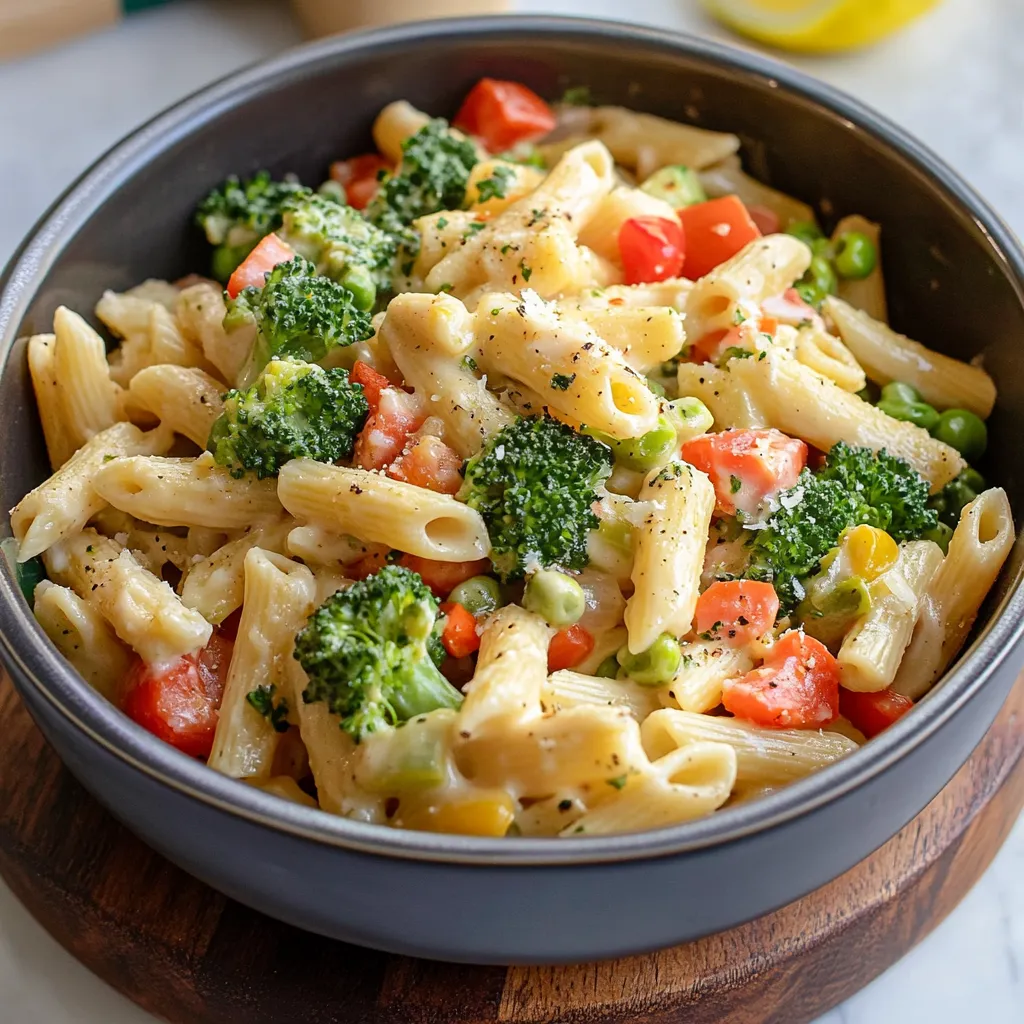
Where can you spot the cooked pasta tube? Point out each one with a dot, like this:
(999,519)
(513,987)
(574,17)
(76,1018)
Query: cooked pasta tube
(728,179)
(201,310)
(645,143)
(186,492)
(279,596)
(568,689)
(214,585)
(802,403)
(91,399)
(427,335)
(60,445)
(765,757)
(184,398)
(518,181)
(705,666)
(866,293)
(566,363)
(551,815)
(380,510)
(318,546)
(687,783)
(669,554)
(731,404)
(645,335)
(670,292)
(64,503)
(886,356)
(826,354)
(977,550)
(82,635)
(397,122)
(160,340)
(143,610)
(764,268)
(871,652)
(533,241)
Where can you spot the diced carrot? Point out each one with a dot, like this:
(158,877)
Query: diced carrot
(715,231)
(373,383)
(459,635)
(503,113)
(360,177)
(873,713)
(429,463)
(252,271)
(444,577)
(569,647)
(797,687)
(736,611)
(651,249)
(746,466)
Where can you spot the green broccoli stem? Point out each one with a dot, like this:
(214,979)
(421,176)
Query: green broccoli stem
(421,689)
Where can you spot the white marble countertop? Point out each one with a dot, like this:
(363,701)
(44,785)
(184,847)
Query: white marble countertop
(953,79)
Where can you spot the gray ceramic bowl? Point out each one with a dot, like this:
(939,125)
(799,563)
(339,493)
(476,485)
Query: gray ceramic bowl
(953,273)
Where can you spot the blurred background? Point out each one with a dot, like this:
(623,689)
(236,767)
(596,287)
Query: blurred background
(76,75)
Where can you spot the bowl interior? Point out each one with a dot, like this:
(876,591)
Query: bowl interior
(953,276)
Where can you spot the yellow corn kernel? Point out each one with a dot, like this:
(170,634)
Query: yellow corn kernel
(488,814)
(870,551)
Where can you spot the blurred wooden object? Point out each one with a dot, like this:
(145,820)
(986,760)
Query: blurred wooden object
(325,17)
(27,25)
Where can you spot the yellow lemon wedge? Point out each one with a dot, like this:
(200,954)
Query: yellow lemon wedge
(817,26)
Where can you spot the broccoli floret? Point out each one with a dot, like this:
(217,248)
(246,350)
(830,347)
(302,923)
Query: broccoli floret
(432,176)
(237,214)
(342,243)
(296,314)
(294,410)
(371,653)
(535,483)
(854,486)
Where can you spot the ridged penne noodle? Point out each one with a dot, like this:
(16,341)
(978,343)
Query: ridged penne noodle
(601,232)
(687,783)
(427,336)
(200,311)
(764,268)
(827,355)
(186,492)
(764,757)
(62,505)
(318,546)
(732,405)
(645,143)
(669,554)
(568,689)
(279,596)
(645,335)
(214,585)
(517,180)
(91,399)
(397,122)
(886,356)
(158,340)
(550,816)
(142,609)
(728,179)
(800,402)
(184,398)
(49,400)
(671,292)
(977,550)
(706,665)
(871,652)
(566,363)
(866,293)
(82,635)
(532,243)
(380,510)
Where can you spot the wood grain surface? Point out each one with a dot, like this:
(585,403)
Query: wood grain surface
(191,956)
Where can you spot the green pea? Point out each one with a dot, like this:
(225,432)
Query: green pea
(226,258)
(609,668)
(828,616)
(479,595)
(819,281)
(919,413)
(806,230)
(645,452)
(964,431)
(898,391)
(690,417)
(332,189)
(658,664)
(556,597)
(941,534)
(971,478)
(856,256)
(359,281)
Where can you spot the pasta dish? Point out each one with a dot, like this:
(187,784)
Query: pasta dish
(538,474)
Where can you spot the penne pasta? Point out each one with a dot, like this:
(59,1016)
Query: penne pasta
(183,398)
(60,445)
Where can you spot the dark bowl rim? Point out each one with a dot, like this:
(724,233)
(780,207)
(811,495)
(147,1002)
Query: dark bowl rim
(36,661)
